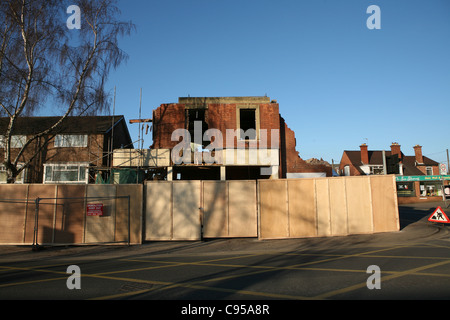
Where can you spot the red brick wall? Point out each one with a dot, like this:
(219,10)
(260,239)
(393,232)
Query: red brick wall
(396,149)
(169,117)
(166,119)
(293,162)
(418,153)
(423,169)
(364,153)
(222,117)
(345,161)
(270,119)
(93,154)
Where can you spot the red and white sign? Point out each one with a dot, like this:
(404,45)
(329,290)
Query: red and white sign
(439,216)
(94,209)
(447,192)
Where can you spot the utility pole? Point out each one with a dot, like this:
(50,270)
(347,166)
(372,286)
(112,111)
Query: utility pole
(110,156)
(140,142)
(141,123)
(448,163)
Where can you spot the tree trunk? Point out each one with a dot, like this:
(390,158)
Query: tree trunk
(11,173)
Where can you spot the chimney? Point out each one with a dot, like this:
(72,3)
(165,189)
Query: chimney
(395,149)
(364,154)
(418,152)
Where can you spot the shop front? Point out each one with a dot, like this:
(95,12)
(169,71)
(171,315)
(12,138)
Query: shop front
(413,189)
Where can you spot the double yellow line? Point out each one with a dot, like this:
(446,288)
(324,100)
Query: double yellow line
(201,284)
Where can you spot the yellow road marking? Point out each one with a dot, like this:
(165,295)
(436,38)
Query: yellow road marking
(122,295)
(261,269)
(30,282)
(172,264)
(392,276)
(191,285)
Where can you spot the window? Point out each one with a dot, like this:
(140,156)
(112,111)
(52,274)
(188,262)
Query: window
(376,170)
(16,141)
(372,169)
(199,116)
(4,175)
(406,189)
(431,189)
(346,171)
(71,141)
(429,171)
(66,173)
(248,123)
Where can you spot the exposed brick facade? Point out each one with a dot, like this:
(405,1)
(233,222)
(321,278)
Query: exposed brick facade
(166,119)
(169,117)
(223,114)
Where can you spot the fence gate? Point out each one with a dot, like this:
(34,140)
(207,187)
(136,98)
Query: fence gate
(172,210)
(229,209)
(192,210)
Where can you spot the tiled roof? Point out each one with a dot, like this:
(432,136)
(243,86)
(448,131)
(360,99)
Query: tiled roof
(376,158)
(71,125)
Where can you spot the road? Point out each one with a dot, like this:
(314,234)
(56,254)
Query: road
(413,263)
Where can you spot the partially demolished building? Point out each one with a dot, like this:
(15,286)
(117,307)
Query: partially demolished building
(223,138)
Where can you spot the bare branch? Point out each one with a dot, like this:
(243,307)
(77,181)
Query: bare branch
(6,110)
(50,68)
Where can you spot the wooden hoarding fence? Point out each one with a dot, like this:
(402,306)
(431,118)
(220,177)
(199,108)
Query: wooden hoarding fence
(89,212)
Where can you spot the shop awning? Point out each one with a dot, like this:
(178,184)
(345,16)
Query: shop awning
(422,178)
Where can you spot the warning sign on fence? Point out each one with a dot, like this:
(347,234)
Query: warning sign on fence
(94,209)
(439,216)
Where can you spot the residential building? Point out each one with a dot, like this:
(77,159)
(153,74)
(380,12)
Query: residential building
(222,138)
(418,177)
(366,162)
(73,153)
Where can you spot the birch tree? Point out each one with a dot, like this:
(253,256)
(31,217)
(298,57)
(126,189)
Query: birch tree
(45,62)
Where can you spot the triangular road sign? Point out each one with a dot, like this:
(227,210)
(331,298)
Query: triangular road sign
(439,216)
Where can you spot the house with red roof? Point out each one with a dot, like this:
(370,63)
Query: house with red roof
(418,177)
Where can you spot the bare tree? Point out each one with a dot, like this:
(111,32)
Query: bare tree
(43,62)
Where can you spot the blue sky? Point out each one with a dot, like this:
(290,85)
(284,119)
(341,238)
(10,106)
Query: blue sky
(338,83)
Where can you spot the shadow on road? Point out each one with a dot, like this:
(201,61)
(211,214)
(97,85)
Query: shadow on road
(411,213)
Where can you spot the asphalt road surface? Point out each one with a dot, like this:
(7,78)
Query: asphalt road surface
(407,265)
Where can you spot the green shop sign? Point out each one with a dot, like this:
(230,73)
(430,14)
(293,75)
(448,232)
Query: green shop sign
(422,178)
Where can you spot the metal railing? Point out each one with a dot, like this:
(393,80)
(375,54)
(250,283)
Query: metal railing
(38,200)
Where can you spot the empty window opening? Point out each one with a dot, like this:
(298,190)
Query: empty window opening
(192,116)
(248,123)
